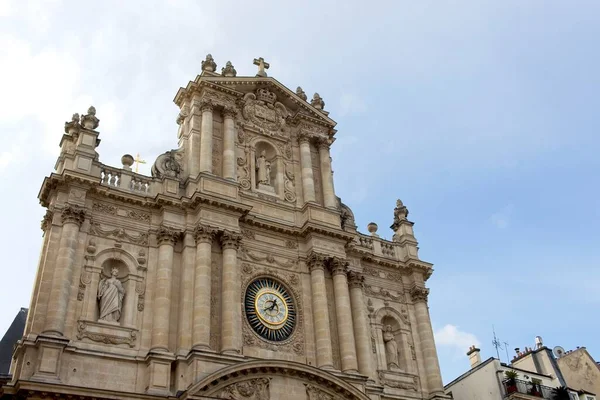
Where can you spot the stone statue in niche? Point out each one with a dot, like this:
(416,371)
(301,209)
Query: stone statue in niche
(391,348)
(110,297)
(263,168)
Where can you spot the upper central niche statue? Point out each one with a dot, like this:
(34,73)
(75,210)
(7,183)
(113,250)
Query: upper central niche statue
(263,166)
(110,294)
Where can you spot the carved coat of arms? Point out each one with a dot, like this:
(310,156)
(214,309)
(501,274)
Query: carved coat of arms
(265,113)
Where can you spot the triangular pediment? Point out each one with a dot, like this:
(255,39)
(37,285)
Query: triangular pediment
(239,86)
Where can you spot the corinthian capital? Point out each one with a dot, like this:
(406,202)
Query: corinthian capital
(206,105)
(47,220)
(73,214)
(419,293)
(304,136)
(229,112)
(230,240)
(355,280)
(316,261)
(204,234)
(338,266)
(166,235)
(323,143)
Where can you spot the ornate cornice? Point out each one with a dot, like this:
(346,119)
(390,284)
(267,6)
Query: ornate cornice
(204,234)
(166,235)
(419,294)
(230,240)
(73,214)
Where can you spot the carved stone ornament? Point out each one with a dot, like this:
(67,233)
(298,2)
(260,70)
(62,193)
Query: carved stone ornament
(301,93)
(338,266)
(209,64)
(167,235)
(252,389)
(268,258)
(316,261)
(73,214)
(355,280)
(120,212)
(204,234)
(167,165)
(317,102)
(315,393)
(230,240)
(128,337)
(289,189)
(89,120)
(262,111)
(73,126)
(418,293)
(118,234)
(388,380)
(382,293)
(243,170)
(47,220)
(228,70)
(140,289)
(110,297)
(400,214)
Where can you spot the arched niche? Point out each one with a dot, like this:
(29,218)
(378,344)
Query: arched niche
(388,322)
(264,154)
(130,277)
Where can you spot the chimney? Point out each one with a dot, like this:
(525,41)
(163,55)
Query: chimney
(474,356)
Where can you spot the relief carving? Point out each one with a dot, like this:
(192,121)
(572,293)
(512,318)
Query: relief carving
(315,393)
(269,258)
(382,293)
(84,279)
(252,389)
(385,380)
(288,185)
(82,332)
(261,110)
(118,234)
(140,289)
(121,212)
(243,170)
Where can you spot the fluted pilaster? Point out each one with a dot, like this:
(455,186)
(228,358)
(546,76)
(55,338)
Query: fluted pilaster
(204,236)
(72,218)
(231,303)
(320,311)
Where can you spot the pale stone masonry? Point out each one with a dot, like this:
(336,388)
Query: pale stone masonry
(234,271)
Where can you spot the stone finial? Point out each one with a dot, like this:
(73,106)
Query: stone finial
(372,228)
(301,93)
(209,64)
(127,160)
(89,120)
(400,214)
(262,66)
(317,102)
(228,70)
(73,126)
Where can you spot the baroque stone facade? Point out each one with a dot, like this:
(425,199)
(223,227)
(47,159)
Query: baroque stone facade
(233,272)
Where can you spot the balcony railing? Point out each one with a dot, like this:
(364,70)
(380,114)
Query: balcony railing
(525,387)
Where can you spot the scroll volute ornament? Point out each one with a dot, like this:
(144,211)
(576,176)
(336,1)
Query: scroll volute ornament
(338,266)
(418,293)
(73,214)
(166,235)
(47,220)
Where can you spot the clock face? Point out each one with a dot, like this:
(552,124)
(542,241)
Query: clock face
(270,309)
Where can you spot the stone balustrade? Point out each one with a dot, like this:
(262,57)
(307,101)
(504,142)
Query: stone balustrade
(129,181)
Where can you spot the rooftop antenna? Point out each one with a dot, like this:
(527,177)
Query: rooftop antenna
(506,348)
(496,343)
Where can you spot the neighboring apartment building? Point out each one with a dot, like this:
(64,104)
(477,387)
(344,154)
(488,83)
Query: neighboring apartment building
(538,376)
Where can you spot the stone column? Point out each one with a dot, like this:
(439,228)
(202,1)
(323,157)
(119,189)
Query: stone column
(229,168)
(186,297)
(320,311)
(202,287)
(360,323)
(231,302)
(344,315)
(430,359)
(308,182)
(166,238)
(206,136)
(72,218)
(193,149)
(326,174)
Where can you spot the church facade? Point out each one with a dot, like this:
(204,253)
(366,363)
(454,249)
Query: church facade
(233,272)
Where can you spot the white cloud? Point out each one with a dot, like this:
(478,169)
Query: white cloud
(451,336)
(501,218)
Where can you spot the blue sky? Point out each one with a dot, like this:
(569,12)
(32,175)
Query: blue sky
(482,116)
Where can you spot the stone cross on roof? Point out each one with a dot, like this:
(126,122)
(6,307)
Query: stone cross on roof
(262,65)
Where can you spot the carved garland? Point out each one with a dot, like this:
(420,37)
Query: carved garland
(252,389)
(118,234)
(126,213)
(390,276)
(268,258)
(295,343)
(105,338)
(382,293)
